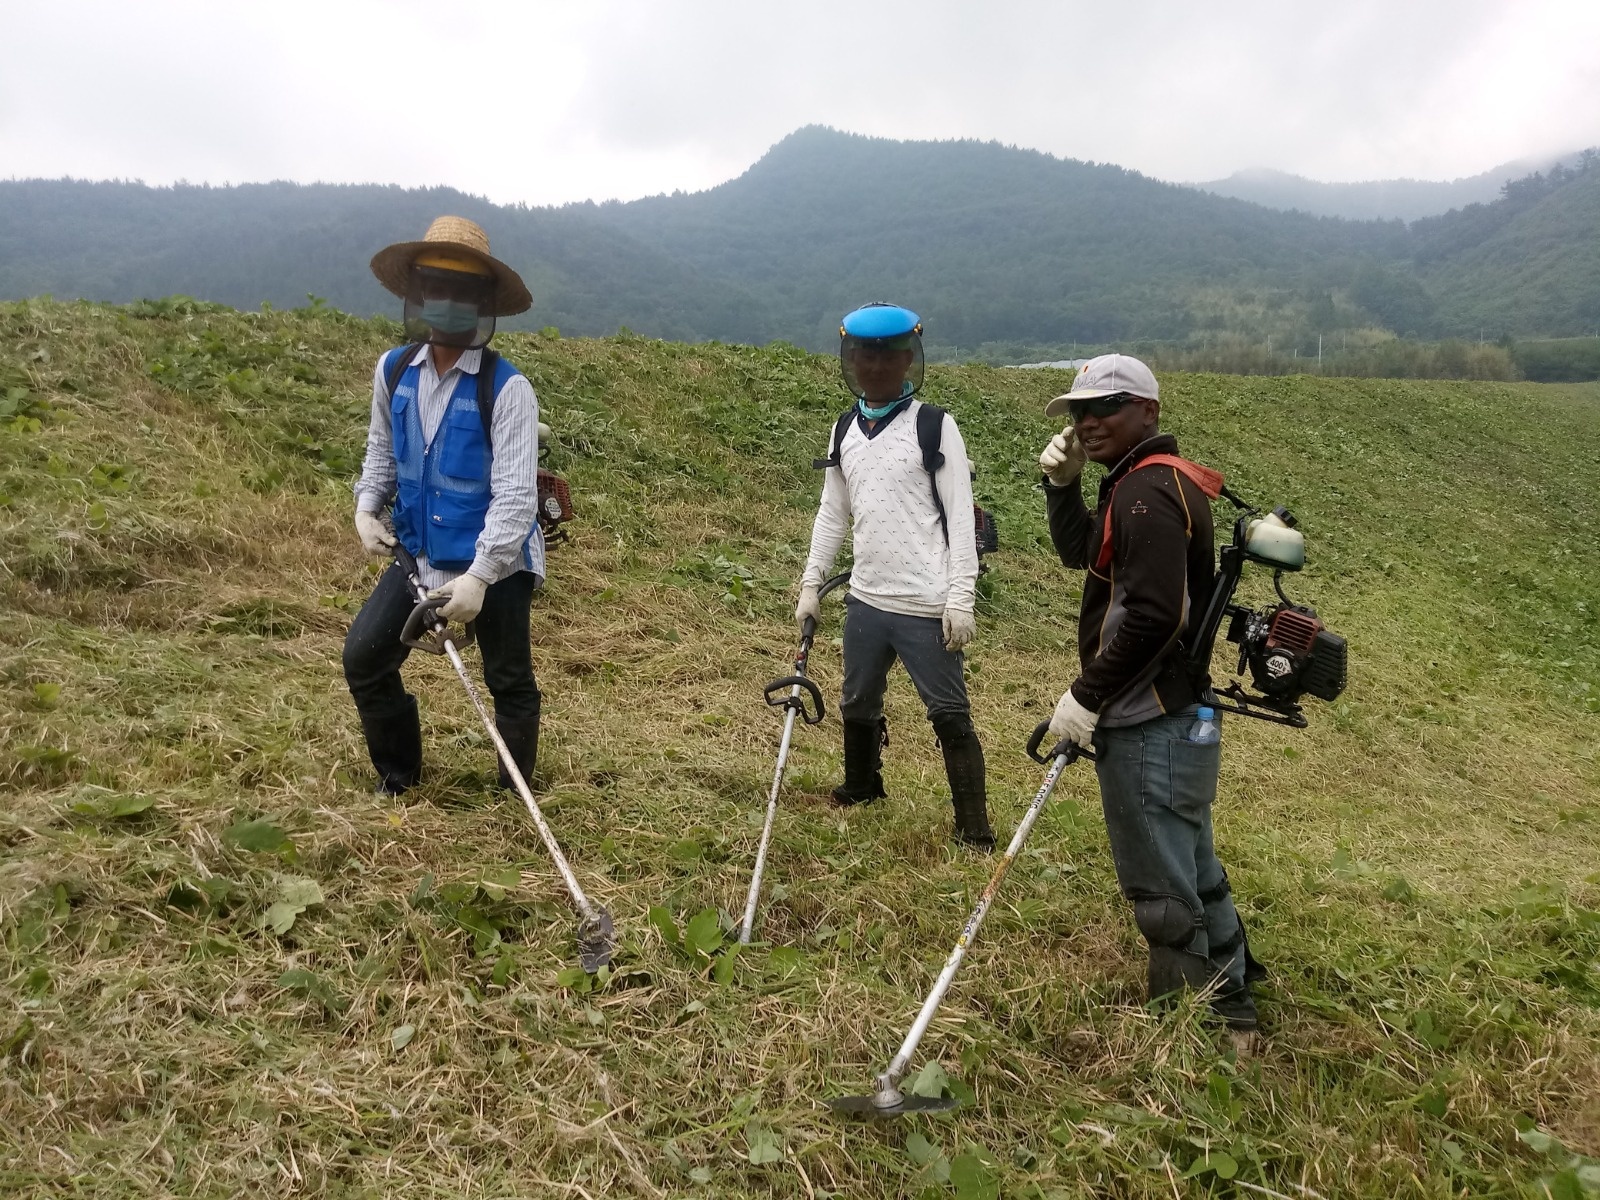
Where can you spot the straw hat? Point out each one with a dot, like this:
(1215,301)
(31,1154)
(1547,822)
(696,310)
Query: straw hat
(453,236)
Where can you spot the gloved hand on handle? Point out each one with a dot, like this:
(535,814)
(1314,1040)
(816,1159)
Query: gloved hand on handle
(1063,459)
(810,605)
(960,627)
(374,534)
(466,598)
(1073,720)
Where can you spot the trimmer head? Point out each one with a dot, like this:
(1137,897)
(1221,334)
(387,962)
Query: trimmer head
(870,1108)
(595,941)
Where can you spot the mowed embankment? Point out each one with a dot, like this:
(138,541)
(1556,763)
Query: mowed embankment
(230,968)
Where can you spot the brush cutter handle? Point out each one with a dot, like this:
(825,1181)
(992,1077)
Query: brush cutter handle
(1065,746)
(426,630)
(797,700)
(408,564)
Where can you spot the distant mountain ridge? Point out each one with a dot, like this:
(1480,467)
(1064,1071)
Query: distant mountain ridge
(1375,199)
(993,245)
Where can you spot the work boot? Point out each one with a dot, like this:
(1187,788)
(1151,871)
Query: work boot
(863,764)
(963,767)
(394,743)
(1237,1008)
(521,735)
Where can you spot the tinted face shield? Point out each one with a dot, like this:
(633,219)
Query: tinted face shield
(449,308)
(881,370)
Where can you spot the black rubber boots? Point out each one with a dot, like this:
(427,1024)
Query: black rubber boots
(521,735)
(963,767)
(394,743)
(863,764)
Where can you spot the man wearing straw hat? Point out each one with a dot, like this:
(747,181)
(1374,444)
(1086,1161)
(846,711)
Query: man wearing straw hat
(462,486)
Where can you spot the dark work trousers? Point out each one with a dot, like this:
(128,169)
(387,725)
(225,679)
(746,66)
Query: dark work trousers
(873,639)
(1157,789)
(373,653)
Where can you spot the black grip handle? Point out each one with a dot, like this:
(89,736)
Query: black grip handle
(1065,746)
(408,564)
(798,703)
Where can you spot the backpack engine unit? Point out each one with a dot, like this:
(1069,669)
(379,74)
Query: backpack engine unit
(1286,647)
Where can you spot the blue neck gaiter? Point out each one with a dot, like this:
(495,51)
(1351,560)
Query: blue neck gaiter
(882,411)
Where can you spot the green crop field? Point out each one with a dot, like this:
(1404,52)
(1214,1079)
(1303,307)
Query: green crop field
(229,969)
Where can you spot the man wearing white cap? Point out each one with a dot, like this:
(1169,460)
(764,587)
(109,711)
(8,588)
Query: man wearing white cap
(459,466)
(1147,550)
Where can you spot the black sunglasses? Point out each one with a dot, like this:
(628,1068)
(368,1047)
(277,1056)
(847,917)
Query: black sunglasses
(1098,406)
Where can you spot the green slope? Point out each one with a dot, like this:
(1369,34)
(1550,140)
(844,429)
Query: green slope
(1419,867)
(1537,274)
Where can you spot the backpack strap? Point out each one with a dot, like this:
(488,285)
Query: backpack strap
(397,361)
(930,432)
(488,368)
(1207,480)
(840,428)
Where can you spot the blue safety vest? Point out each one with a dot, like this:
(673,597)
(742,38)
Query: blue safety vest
(442,489)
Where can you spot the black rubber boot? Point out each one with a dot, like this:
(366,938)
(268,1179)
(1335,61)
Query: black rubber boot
(963,766)
(521,736)
(394,743)
(863,764)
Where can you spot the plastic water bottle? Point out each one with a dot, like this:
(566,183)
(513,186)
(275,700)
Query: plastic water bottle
(1205,730)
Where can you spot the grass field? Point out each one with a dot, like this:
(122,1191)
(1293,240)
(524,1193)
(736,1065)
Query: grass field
(230,969)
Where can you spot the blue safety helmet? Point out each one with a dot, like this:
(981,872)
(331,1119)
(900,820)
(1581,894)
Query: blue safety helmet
(872,340)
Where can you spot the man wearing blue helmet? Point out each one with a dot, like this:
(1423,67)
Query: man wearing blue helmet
(898,481)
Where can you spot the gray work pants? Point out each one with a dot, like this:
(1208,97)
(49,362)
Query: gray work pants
(873,639)
(1157,788)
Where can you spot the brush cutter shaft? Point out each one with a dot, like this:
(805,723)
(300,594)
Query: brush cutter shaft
(408,564)
(887,1082)
(748,927)
(794,703)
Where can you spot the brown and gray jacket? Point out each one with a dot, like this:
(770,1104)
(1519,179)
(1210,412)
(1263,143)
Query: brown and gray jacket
(1138,609)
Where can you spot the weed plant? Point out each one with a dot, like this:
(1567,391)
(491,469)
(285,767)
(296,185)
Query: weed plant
(229,969)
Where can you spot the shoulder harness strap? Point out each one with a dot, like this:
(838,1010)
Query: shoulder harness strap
(836,443)
(930,432)
(397,360)
(488,389)
(1205,478)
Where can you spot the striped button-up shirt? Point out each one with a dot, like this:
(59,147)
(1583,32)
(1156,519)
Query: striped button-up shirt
(513,475)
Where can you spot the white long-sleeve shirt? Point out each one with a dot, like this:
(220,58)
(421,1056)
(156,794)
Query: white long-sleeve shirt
(513,474)
(902,561)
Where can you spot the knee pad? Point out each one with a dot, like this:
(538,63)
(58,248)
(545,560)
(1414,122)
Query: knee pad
(952,728)
(1167,921)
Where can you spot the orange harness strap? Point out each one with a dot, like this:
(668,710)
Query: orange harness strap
(1204,478)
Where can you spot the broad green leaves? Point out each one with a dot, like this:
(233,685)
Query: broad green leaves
(295,894)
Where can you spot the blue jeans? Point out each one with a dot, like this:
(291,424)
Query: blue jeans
(1157,789)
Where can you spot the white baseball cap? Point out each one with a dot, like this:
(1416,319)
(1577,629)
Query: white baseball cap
(1108,375)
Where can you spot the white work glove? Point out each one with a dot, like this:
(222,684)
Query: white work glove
(466,598)
(1073,720)
(960,627)
(810,606)
(1063,459)
(374,534)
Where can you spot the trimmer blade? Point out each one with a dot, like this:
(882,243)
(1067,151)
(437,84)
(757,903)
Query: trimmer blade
(595,941)
(867,1106)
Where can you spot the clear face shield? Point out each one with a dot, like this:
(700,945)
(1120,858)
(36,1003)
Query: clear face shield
(881,370)
(449,308)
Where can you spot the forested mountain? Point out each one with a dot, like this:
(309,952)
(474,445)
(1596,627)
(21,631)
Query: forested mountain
(992,244)
(1372,199)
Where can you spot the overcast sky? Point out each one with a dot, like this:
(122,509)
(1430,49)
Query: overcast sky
(545,103)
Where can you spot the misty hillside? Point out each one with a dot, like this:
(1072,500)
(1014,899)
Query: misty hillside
(991,244)
(1373,199)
